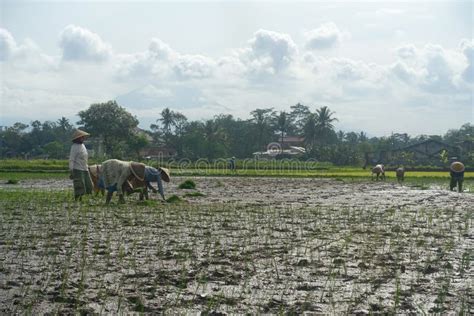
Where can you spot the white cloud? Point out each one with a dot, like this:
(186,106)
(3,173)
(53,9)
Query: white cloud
(407,51)
(161,62)
(403,72)
(431,68)
(40,104)
(193,67)
(80,44)
(154,63)
(326,36)
(25,56)
(7,44)
(269,53)
(467,48)
(159,50)
(267,71)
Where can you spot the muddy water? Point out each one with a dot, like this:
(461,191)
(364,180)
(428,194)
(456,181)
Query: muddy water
(250,245)
(284,192)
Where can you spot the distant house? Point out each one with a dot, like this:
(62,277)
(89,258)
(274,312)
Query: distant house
(430,149)
(158,153)
(292,151)
(291,141)
(425,152)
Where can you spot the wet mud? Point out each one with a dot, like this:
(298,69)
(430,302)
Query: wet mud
(244,245)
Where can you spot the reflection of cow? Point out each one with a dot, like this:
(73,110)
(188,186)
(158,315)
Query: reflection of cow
(378,170)
(400,172)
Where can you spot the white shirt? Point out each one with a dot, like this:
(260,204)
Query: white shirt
(78,157)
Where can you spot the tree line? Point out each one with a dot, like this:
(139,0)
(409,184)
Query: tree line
(115,134)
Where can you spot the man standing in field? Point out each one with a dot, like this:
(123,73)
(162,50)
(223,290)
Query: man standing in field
(78,170)
(457,175)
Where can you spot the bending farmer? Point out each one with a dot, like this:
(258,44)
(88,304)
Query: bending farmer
(457,175)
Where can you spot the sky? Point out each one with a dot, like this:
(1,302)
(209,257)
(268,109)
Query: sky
(381,67)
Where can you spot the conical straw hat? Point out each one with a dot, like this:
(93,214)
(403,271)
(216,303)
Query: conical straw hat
(138,170)
(78,133)
(165,174)
(457,166)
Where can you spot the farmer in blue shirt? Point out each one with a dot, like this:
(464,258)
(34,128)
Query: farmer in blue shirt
(156,175)
(150,175)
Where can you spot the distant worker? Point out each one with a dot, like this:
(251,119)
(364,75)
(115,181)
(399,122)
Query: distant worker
(232,166)
(400,172)
(78,170)
(378,170)
(152,175)
(457,175)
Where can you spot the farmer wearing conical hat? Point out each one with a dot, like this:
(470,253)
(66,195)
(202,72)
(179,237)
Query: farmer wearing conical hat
(156,175)
(457,174)
(125,177)
(117,175)
(78,170)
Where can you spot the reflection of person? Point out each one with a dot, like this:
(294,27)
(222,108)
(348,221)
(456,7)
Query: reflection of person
(78,171)
(457,175)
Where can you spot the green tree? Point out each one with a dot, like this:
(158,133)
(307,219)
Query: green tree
(111,123)
(299,115)
(261,119)
(310,131)
(136,142)
(55,150)
(324,124)
(283,124)
(13,140)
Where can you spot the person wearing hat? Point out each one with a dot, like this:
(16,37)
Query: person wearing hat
(117,175)
(156,175)
(78,169)
(457,175)
(232,166)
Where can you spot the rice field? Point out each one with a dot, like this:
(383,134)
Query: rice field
(236,245)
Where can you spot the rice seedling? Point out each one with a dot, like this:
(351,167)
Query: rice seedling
(187,184)
(174,199)
(66,257)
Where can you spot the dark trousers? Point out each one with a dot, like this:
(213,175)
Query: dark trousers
(456,181)
(82,183)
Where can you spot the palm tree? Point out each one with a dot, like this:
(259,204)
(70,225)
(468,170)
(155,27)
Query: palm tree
(324,123)
(310,131)
(261,119)
(283,122)
(167,120)
(64,124)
